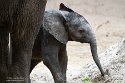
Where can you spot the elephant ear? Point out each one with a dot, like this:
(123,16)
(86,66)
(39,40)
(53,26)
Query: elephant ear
(64,8)
(54,23)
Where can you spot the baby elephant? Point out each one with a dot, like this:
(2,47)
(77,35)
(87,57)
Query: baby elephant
(58,28)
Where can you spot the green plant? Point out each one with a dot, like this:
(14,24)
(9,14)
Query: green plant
(86,79)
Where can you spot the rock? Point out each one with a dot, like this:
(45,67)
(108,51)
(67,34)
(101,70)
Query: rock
(113,62)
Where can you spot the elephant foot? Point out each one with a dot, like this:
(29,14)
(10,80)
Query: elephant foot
(17,80)
(3,73)
(15,76)
(60,82)
(59,79)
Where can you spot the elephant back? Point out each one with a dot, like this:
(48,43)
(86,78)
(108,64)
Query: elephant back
(53,22)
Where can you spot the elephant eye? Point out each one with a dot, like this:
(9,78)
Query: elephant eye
(81,31)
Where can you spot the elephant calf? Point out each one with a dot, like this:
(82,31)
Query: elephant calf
(58,28)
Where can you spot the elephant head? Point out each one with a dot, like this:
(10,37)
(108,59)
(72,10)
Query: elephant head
(66,25)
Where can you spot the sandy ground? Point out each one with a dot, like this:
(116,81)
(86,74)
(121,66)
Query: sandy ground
(107,17)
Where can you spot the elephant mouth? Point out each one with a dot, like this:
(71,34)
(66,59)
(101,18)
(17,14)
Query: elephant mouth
(81,40)
(84,41)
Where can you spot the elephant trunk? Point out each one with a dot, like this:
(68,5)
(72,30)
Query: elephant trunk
(93,46)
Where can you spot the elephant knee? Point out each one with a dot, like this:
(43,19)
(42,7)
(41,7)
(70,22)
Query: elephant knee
(46,60)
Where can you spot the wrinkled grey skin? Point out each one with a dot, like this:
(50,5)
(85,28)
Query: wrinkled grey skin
(22,19)
(58,28)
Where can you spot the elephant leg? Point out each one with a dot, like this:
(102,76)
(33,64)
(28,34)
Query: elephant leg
(4,40)
(50,59)
(22,44)
(26,23)
(34,62)
(50,50)
(36,51)
(21,57)
(63,58)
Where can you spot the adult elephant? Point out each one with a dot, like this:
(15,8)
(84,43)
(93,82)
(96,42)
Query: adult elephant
(58,28)
(22,19)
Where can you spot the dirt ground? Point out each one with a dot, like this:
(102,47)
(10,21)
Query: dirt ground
(107,18)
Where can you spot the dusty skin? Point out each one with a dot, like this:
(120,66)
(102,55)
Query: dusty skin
(107,18)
